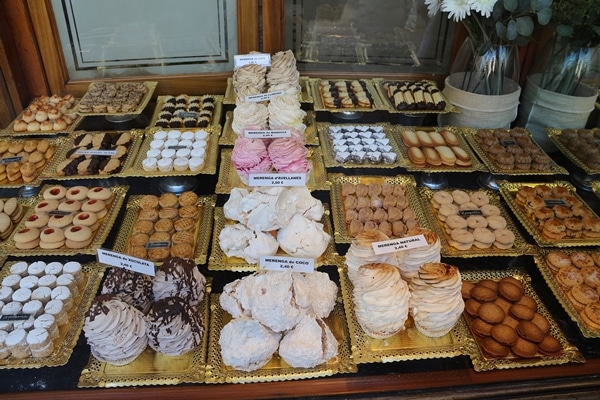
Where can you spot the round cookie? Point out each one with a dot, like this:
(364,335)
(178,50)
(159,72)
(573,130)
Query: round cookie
(52,235)
(504,334)
(460,196)
(60,221)
(481,328)
(483,293)
(484,238)
(510,291)
(461,239)
(465,289)
(479,198)
(78,237)
(541,322)
(37,220)
(491,313)
(188,198)
(70,206)
(496,222)
(472,307)
(550,346)
(78,193)
(88,219)
(505,238)
(521,312)
(441,197)
(569,276)
(530,331)
(488,283)
(524,348)
(557,259)
(54,193)
(529,302)
(581,259)
(493,348)
(168,200)
(46,206)
(476,221)
(149,202)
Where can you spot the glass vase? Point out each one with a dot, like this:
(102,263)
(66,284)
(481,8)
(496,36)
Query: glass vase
(486,71)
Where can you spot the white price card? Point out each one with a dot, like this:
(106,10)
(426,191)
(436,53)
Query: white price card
(277,179)
(277,263)
(405,243)
(257,98)
(103,153)
(267,134)
(239,60)
(125,261)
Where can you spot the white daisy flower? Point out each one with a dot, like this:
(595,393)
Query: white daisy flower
(433,7)
(457,9)
(483,7)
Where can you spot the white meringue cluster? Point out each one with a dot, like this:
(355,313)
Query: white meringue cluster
(388,287)
(135,310)
(274,310)
(292,212)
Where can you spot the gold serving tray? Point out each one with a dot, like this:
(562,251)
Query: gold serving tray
(60,156)
(210,162)
(100,235)
(26,203)
(10,129)
(520,246)
(508,190)
(305,95)
(554,169)
(218,260)
(229,178)
(337,181)
(408,344)
(318,105)
(561,295)
(329,154)
(228,136)
(69,332)
(151,367)
(482,362)
(205,204)
(476,164)
(276,370)
(378,82)
(596,187)
(150,85)
(554,135)
(215,119)
(57,142)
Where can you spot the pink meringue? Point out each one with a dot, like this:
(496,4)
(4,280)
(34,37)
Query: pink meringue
(289,156)
(250,156)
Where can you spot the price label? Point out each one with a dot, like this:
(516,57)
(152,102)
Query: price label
(59,212)
(15,317)
(466,213)
(103,153)
(158,245)
(186,114)
(277,180)
(554,202)
(239,60)
(267,134)
(8,160)
(276,263)
(125,261)
(405,243)
(256,98)
(177,147)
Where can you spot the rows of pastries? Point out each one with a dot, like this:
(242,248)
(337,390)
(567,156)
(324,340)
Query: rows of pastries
(361,304)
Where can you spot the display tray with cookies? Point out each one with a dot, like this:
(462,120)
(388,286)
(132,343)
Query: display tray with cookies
(473,223)
(359,146)
(156,227)
(511,152)
(433,149)
(574,278)
(581,146)
(151,367)
(12,210)
(103,154)
(23,161)
(219,261)
(276,369)
(412,97)
(510,324)
(229,178)
(228,135)
(176,152)
(66,221)
(116,98)
(305,96)
(552,213)
(339,95)
(389,204)
(64,325)
(46,115)
(185,111)
(407,344)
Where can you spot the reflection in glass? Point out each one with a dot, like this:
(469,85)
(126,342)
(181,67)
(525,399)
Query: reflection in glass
(375,35)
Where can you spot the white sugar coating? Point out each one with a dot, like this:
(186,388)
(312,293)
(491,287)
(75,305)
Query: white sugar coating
(22,295)
(16,337)
(160,135)
(63,294)
(153,153)
(165,164)
(199,144)
(46,321)
(73,268)
(201,135)
(174,134)
(19,268)
(54,268)
(157,144)
(199,152)
(29,282)
(37,336)
(187,135)
(182,153)
(171,143)
(150,164)
(6,326)
(185,143)
(33,307)
(14,307)
(37,268)
(66,280)
(47,280)
(54,307)
(180,164)
(6,293)
(168,153)
(42,294)
(3,335)
(195,163)
(25,324)
(12,281)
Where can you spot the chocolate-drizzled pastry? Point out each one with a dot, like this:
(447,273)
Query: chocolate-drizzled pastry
(71,168)
(133,288)
(94,166)
(83,140)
